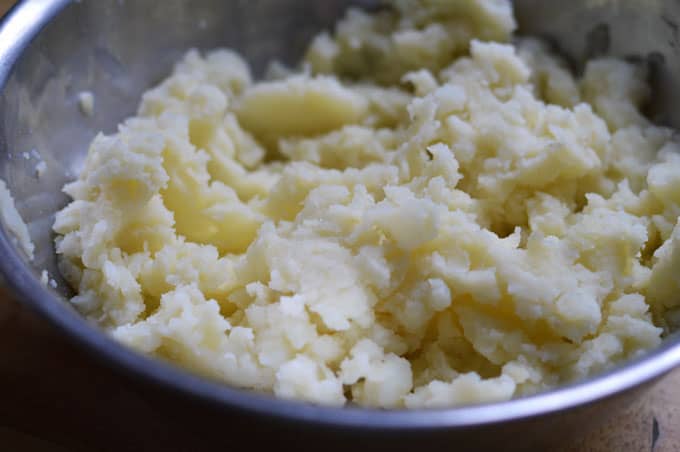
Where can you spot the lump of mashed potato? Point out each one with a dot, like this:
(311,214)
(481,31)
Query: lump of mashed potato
(13,221)
(427,216)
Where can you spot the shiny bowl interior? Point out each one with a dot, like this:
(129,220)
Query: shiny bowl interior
(50,50)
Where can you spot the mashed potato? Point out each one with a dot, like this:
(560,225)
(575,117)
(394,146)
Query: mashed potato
(425,216)
(13,221)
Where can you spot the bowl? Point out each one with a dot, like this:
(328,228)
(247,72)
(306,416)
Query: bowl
(52,50)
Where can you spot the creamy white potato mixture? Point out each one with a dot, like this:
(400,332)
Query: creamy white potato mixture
(427,213)
(14,223)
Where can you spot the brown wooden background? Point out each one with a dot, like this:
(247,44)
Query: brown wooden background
(55,398)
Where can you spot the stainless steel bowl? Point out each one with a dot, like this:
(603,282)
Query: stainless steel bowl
(50,50)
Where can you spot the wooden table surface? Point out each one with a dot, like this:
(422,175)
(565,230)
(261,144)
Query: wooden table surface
(53,397)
